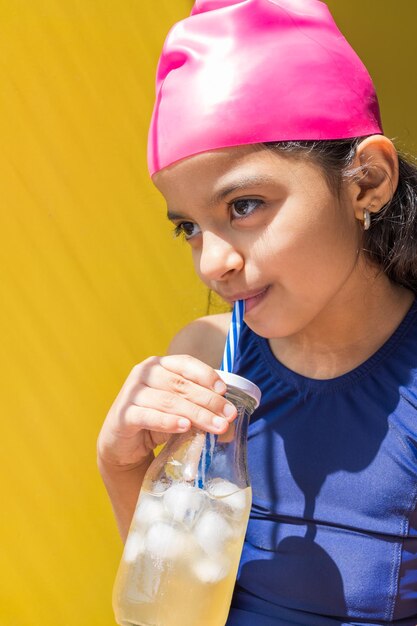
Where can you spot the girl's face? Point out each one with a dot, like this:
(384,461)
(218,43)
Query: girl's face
(266,228)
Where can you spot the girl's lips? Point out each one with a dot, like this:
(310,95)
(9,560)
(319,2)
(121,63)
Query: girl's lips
(251,303)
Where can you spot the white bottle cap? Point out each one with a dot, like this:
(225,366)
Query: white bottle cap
(243,384)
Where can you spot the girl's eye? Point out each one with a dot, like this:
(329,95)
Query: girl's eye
(244,207)
(186,230)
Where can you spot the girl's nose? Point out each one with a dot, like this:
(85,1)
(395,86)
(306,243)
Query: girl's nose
(218,257)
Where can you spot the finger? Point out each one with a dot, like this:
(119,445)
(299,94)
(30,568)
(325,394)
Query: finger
(152,374)
(138,373)
(183,366)
(192,369)
(172,403)
(160,378)
(136,418)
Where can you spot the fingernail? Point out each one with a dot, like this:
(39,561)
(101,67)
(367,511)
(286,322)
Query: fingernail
(219,386)
(219,422)
(228,410)
(183,423)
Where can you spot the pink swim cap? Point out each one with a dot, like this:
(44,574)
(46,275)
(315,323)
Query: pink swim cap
(251,71)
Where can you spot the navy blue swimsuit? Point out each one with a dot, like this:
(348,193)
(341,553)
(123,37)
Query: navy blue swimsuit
(332,537)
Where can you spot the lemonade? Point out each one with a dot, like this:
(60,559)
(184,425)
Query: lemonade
(182,553)
(181,557)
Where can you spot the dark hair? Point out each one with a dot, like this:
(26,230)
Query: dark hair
(391,241)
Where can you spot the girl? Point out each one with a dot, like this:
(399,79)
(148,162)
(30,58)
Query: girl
(266,143)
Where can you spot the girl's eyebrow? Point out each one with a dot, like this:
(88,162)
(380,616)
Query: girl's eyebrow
(237,185)
(172,216)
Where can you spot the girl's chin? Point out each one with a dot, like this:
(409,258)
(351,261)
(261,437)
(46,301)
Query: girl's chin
(262,325)
(270,326)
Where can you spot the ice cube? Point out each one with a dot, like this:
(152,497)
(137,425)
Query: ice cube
(164,541)
(183,503)
(209,570)
(149,510)
(160,487)
(135,545)
(229,494)
(212,531)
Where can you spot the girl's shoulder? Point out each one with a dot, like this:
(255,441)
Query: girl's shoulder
(203,338)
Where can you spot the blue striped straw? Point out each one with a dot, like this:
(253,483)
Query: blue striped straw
(227,365)
(233,336)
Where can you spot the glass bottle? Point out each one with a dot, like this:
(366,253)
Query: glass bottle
(182,552)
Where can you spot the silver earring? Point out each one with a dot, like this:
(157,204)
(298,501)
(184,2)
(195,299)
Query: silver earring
(366,219)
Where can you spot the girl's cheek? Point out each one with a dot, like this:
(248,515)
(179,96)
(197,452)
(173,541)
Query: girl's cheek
(306,250)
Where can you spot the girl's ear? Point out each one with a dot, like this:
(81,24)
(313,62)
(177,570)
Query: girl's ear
(376,162)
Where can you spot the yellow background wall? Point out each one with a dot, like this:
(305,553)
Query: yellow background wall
(91,278)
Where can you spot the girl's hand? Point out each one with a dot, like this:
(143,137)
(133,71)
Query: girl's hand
(161,396)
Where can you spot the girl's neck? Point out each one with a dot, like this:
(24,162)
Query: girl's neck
(347,333)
